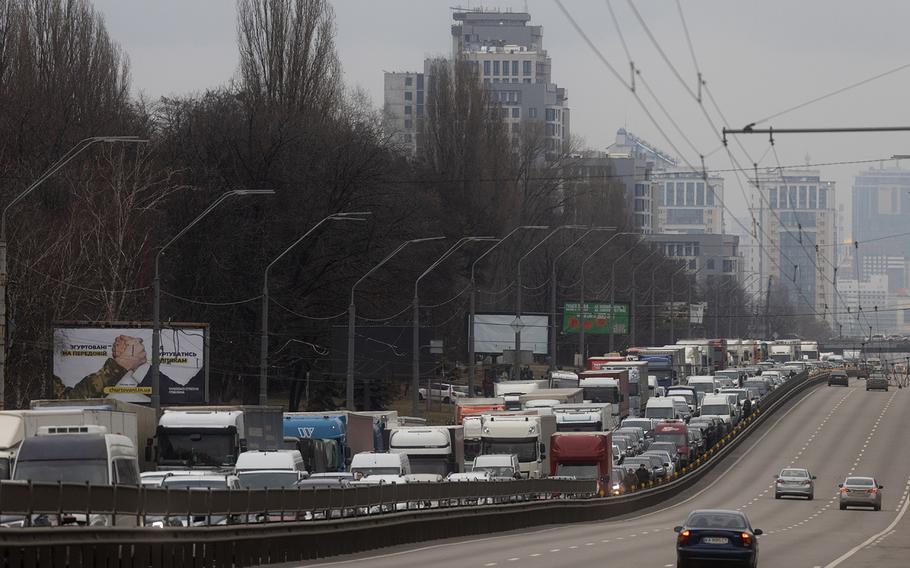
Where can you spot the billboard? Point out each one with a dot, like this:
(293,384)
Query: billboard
(595,317)
(493,333)
(115,362)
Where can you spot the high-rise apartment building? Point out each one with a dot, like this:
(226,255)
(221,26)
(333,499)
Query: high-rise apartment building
(404,108)
(508,56)
(881,209)
(795,218)
(686,203)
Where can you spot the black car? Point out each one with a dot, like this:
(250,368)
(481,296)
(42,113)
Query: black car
(717,535)
(838,378)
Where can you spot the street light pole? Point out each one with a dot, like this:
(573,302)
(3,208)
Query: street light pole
(517,325)
(472,356)
(613,293)
(4,271)
(156,307)
(352,314)
(553,282)
(581,303)
(264,332)
(633,336)
(415,368)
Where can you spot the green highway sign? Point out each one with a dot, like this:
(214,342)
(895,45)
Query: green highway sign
(597,318)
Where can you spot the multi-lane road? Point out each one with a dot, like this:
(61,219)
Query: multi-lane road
(833,431)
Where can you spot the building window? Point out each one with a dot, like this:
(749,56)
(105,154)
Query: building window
(505,67)
(408,96)
(685,216)
(710,196)
(679,250)
(669,192)
(689,249)
(408,81)
(692,264)
(551,130)
(515,127)
(420,81)
(680,193)
(728,266)
(496,67)
(550,115)
(420,97)
(710,264)
(772,198)
(407,110)
(802,197)
(526,67)
(486,80)
(486,67)
(504,112)
(532,112)
(822,198)
(516,112)
(791,201)
(419,111)
(528,81)
(515,67)
(700,194)
(813,197)
(690,194)
(409,124)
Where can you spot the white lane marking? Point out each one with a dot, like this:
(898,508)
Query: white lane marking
(488,564)
(555,550)
(514,559)
(535,555)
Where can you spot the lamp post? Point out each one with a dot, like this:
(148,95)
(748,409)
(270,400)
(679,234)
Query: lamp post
(415,369)
(553,282)
(264,332)
(472,356)
(156,309)
(613,292)
(352,314)
(581,326)
(4,273)
(672,306)
(633,336)
(517,324)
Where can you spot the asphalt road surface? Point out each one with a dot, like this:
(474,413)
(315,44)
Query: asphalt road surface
(833,431)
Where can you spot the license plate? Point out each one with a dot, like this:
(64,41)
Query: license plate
(715,540)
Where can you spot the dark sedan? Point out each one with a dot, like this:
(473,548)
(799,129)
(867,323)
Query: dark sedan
(838,378)
(719,536)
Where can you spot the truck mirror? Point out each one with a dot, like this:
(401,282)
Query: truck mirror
(243,445)
(148,453)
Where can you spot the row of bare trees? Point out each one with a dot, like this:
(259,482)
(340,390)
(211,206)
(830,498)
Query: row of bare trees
(83,246)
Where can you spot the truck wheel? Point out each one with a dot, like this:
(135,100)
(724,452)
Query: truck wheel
(420,396)
(445,400)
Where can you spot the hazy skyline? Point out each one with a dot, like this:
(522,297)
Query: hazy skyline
(757,59)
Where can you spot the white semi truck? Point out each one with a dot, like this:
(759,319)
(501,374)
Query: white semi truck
(527,436)
(117,417)
(203,437)
(430,449)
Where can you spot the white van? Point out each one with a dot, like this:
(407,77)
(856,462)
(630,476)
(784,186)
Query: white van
(703,385)
(664,408)
(719,406)
(682,406)
(77,454)
(365,464)
(498,466)
(270,469)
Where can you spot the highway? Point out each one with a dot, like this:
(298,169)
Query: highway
(833,431)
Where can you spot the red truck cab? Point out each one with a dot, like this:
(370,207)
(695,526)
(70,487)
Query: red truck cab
(677,432)
(583,455)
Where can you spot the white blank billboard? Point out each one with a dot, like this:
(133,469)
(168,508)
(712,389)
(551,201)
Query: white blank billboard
(493,333)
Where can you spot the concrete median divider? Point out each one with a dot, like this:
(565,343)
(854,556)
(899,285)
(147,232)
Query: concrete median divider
(404,514)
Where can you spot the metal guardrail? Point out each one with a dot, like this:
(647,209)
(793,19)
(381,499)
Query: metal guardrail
(56,499)
(257,544)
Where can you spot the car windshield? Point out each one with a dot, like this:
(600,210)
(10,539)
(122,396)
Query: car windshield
(716,521)
(525,448)
(194,448)
(195,483)
(861,481)
(66,471)
(368,471)
(665,412)
(267,479)
(690,398)
(496,471)
(601,394)
(578,470)
(715,410)
(430,464)
(675,438)
(666,446)
(794,473)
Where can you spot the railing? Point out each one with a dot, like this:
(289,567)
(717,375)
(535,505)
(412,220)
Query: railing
(55,501)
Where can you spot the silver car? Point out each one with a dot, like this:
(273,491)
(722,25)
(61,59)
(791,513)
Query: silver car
(794,481)
(861,492)
(877,382)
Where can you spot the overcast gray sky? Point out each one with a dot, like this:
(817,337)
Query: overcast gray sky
(757,57)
